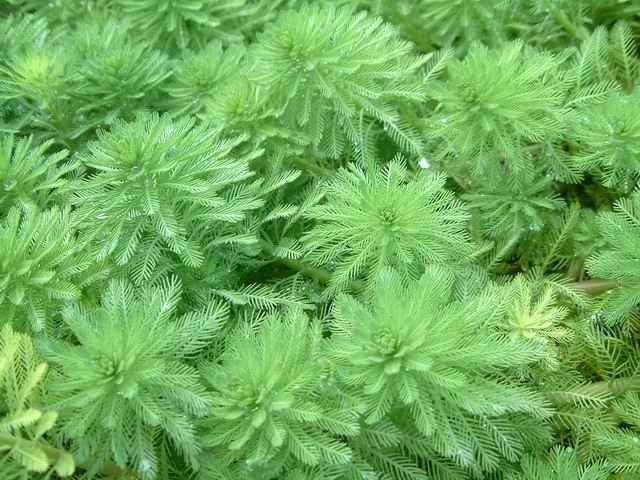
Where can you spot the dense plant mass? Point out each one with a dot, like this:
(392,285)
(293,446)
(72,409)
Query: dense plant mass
(319,240)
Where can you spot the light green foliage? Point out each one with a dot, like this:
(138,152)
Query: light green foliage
(156,181)
(418,348)
(319,239)
(619,260)
(533,315)
(118,399)
(22,424)
(494,102)
(561,465)
(324,67)
(273,399)
(36,81)
(464,21)
(40,264)
(609,136)
(194,22)
(515,207)
(27,174)
(19,32)
(378,217)
(438,23)
(622,447)
(244,108)
(59,11)
(199,77)
(181,22)
(115,76)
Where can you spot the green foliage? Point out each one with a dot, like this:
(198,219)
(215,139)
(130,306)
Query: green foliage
(610,136)
(510,207)
(177,22)
(463,20)
(324,67)
(319,240)
(198,77)
(190,22)
(619,260)
(533,315)
(495,102)
(36,82)
(419,349)
(622,447)
(272,397)
(156,181)
(115,76)
(40,264)
(118,399)
(27,174)
(23,424)
(378,217)
(19,32)
(561,465)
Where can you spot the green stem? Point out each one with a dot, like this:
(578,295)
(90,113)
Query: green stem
(595,286)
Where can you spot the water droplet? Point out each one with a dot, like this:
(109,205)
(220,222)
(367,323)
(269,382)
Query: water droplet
(444,120)
(424,163)
(102,216)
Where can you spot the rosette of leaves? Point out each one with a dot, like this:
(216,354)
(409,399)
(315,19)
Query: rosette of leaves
(376,217)
(244,108)
(512,208)
(39,82)
(28,175)
(24,450)
(273,402)
(608,135)
(325,67)
(416,349)
(136,397)
(117,75)
(155,182)
(533,314)
(493,103)
(41,262)
(619,259)
(198,77)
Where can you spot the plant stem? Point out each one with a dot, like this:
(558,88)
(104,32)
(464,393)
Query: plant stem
(595,286)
